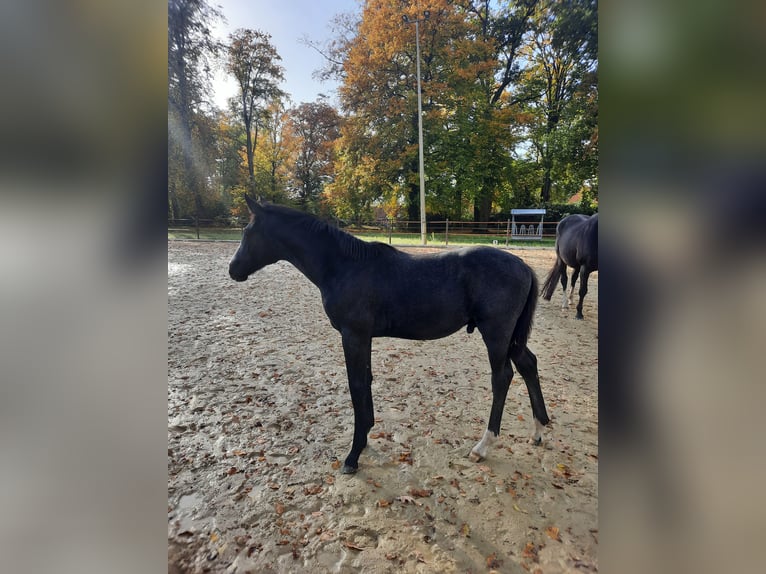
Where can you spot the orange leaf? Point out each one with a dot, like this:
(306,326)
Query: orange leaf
(335,464)
(529,551)
(280,508)
(420,493)
(492,561)
(553,532)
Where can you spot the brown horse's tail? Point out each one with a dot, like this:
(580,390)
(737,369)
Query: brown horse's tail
(524,322)
(553,278)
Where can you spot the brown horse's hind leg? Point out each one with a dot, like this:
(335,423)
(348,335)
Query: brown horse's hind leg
(583,292)
(575,274)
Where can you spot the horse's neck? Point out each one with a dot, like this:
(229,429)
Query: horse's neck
(309,255)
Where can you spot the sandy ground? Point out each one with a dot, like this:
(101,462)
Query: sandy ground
(259,420)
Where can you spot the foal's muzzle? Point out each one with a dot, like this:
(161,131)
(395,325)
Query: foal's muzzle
(236,275)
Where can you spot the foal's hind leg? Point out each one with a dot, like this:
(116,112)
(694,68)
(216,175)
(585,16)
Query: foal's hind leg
(502,372)
(526,363)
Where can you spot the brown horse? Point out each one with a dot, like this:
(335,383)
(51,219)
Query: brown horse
(577,247)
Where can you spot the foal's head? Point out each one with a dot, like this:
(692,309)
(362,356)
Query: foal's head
(255,251)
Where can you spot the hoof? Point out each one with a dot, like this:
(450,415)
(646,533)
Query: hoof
(579,317)
(349,469)
(475,457)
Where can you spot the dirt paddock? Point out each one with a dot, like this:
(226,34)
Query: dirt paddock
(260,418)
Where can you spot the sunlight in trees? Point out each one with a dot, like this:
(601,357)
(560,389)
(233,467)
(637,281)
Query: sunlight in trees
(510,113)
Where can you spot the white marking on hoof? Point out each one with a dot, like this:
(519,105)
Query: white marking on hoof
(479,452)
(565,302)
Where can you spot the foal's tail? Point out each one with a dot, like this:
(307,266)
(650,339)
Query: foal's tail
(524,322)
(553,278)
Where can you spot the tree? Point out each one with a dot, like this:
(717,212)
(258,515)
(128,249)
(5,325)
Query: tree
(314,127)
(563,69)
(253,61)
(190,51)
(499,33)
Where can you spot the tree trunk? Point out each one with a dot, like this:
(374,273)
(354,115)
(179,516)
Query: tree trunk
(545,190)
(483,204)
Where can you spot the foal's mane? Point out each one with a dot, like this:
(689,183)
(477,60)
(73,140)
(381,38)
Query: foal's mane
(346,243)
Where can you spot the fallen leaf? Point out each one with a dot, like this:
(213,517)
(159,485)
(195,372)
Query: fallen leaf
(553,532)
(382,503)
(405,457)
(520,417)
(465,530)
(312,489)
(517,509)
(492,561)
(484,468)
(353,546)
(279,508)
(407,499)
(420,492)
(335,464)
(239,452)
(391,556)
(529,551)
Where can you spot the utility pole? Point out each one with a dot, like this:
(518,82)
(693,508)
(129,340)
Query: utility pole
(416,21)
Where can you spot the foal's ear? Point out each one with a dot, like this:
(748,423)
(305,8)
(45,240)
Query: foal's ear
(252,205)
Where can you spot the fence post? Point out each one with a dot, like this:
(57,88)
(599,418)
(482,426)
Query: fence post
(196,221)
(446,233)
(507,232)
(390,227)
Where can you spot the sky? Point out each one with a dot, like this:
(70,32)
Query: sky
(287,21)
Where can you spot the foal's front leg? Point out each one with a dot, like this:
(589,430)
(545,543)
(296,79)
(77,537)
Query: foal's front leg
(357,350)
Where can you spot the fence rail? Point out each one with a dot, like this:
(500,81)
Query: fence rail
(438,232)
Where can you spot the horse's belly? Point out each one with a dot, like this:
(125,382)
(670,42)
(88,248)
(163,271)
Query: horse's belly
(422,326)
